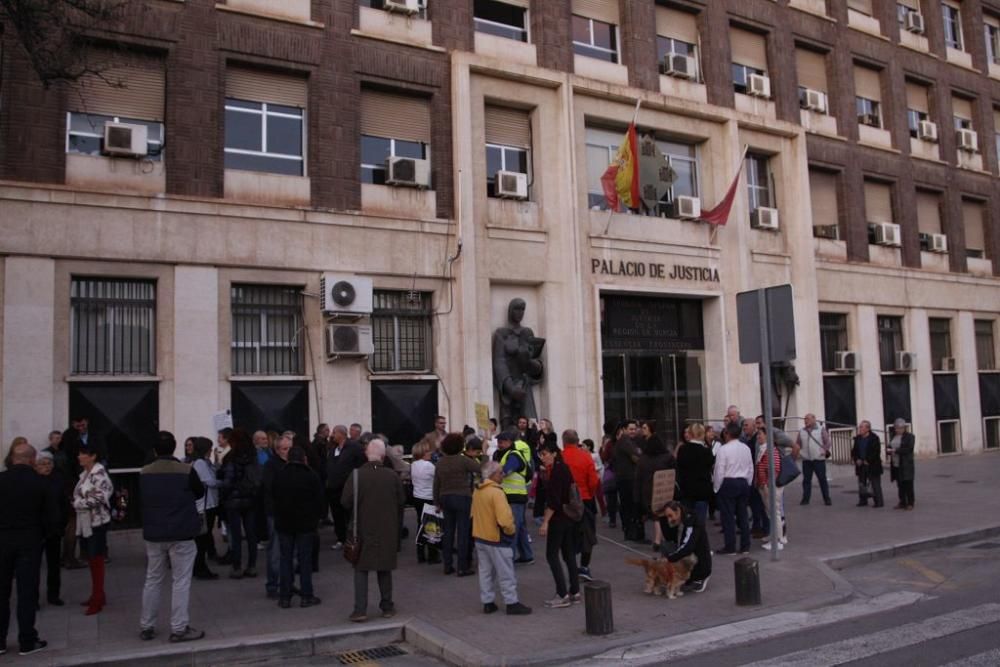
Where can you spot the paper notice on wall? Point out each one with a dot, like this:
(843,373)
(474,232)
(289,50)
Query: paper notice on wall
(483,417)
(221,420)
(663,488)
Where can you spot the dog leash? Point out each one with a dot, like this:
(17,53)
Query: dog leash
(644,554)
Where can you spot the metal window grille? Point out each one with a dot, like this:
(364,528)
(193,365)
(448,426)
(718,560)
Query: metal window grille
(986,358)
(833,338)
(113,326)
(940,335)
(267,330)
(890,340)
(401,327)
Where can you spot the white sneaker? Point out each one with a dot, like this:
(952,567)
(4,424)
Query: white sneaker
(767,545)
(558,602)
(784,540)
(337,546)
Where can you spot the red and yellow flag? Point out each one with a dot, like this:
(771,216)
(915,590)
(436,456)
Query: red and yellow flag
(621,180)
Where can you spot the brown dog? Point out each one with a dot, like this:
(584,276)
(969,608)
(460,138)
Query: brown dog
(664,577)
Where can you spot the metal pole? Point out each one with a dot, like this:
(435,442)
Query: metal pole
(765,378)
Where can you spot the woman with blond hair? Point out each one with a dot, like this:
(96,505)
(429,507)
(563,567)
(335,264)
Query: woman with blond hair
(694,471)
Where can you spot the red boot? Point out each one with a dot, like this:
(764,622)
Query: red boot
(97,599)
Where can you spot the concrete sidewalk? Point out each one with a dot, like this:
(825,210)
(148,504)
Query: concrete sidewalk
(443,615)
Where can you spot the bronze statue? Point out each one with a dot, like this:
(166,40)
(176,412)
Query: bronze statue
(516,365)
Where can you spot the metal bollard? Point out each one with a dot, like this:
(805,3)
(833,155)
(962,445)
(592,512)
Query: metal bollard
(597,603)
(747,574)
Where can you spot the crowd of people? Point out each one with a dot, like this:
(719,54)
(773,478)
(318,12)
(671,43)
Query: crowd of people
(276,489)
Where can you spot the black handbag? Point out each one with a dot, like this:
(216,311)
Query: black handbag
(352,546)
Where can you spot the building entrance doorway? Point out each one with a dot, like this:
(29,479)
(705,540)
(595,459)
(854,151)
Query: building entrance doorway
(653,361)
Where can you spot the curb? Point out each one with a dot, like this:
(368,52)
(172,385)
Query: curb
(851,559)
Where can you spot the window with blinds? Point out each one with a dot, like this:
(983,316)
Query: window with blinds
(825,207)
(961,110)
(928,213)
(832,339)
(508,143)
(973,220)
(917,106)
(749,56)
(265,121)
(861,6)
(810,66)
(112,326)
(392,125)
(951,17)
(401,328)
(868,96)
(676,35)
(267,330)
(986,353)
(878,201)
(939,329)
(890,340)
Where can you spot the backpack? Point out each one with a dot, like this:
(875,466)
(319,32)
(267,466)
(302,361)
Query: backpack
(250,481)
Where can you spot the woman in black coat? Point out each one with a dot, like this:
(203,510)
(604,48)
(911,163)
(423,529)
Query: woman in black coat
(900,449)
(299,504)
(241,478)
(654,457)
(694,472)
(866,453)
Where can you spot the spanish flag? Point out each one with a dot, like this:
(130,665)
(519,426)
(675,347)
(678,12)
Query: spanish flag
(621,180)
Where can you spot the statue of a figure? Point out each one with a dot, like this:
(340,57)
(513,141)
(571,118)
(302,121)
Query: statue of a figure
(516,365)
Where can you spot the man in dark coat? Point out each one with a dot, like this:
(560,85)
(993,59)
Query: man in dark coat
(345,455)
(375,519)
(29,516)
(45,466)
(900,449)
(271,469)
(299,504)
(866,453)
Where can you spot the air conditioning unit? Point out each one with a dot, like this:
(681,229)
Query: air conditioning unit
(815,100)
(402,6)
(938,243)
(826,232)
(968,141)
(915,22)
(686,208)
(408,171)
(949,364)
(681,66)
(764,218)
(886,233)
(846,362)
(758,85)
(906,362)
(125,139)
(512,185)
(348,340)
(927,130)
(345,294)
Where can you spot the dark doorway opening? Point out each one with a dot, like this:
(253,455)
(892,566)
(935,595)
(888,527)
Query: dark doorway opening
(404,410)
(271,406)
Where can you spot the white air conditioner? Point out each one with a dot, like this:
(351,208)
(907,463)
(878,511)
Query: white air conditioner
(846,362)
(758,85)
(408,171)
(512,185)
(681,66)
(686,208)
(402,6)
(938,243)
(886,233)
(345,294)
(915,22)
(125,139)
(949,364)
(927,130)
(815,100)
(968,140)
(348,340)
(906,362)
(764,218)
(826,232)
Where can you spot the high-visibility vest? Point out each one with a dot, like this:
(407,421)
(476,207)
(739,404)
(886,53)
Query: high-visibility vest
(516,483)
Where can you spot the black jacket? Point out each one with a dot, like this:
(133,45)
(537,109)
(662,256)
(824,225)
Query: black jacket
(235,493)
(624,458)
(691,539)
(57,486)
(298,499)
(271,469)
(645,469)
(873,455)
(168,491)
(29,507)
(339,468)
(71,445)
(694,472)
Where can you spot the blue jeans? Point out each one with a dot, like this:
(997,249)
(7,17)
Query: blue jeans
(296,546)
(758,513)
(698,508)
(819,467)
(20,560)
(733,497)
(273,557)
(238,521)
(522,547)
(457,525)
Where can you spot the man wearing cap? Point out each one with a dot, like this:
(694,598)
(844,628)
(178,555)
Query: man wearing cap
(514,456)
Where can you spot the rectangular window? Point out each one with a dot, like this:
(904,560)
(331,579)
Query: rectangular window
(810,68)
(113,326)
(878,202)
(503,19)
(508,143)
(760,189)
(85,134)
(595,39)
(917,106)
(741,77)
(952,19)
(890,341)
(832,338)
(267,330)
(825,204)
(671,46)
(264,137)
(401,327)
(986,351)
(676,34)
(862,6)
(992,30)
(940,334)
(869,112)
(973,220)
(749,53)
(392,125)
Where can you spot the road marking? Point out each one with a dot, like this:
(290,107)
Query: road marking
(884,641)
(933,576)
(987,659)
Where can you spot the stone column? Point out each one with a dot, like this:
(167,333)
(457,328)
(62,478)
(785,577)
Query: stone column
(196,350)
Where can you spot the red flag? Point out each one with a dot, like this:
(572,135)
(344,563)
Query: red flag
(720,214)
(621,179)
